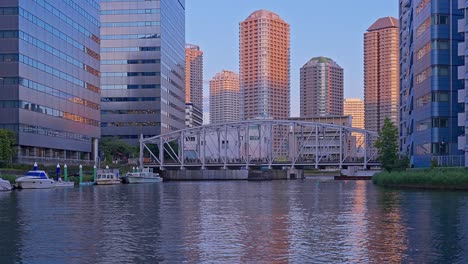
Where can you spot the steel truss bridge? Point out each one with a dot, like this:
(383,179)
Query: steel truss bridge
(261,143)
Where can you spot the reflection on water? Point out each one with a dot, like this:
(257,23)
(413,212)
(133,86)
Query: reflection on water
(234,222)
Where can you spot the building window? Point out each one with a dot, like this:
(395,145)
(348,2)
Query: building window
(440,20)
(440,122)
(440,44)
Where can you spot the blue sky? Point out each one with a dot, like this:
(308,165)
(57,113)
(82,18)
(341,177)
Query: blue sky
(318,28)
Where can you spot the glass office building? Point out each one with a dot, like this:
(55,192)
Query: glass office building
(49,78)
(143,68)
(429,82)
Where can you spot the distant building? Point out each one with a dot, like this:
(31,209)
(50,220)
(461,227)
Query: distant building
(194,75)
(264,58)
(321,88)
(193,115)
(430,45)
(143,68)
(329,142)
(381,83)
(224,97)
(354,107)
(49,79)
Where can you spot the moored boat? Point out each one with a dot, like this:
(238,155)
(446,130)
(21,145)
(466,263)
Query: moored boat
(61,183)
(144,176)
(107,177)
(5,185)
(36,179)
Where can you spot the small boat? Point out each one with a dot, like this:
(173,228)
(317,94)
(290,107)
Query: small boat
(5,185)
(107,177)
(35,180)
(144,176)
(61,183)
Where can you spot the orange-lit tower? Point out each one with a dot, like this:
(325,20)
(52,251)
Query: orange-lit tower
(355,107)
(264,66)
(381,73)
(194,75)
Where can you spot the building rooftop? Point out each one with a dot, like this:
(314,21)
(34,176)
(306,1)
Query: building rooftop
(384,22)
(262,13)
(314,61)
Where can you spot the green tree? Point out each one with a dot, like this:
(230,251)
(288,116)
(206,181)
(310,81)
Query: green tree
(7,141)
(115,149)
(387,144)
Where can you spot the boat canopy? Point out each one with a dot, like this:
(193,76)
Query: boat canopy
(39,174)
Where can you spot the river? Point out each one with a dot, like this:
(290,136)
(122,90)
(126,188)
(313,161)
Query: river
(303,221)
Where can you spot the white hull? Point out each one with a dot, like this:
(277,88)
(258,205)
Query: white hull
(107,182)
(5,185)
(36,184)
(143,179)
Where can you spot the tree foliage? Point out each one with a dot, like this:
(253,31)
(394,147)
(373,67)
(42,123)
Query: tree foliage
(7,141)
(116,149)
(387,144)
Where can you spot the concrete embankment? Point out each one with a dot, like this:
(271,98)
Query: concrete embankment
(201,175)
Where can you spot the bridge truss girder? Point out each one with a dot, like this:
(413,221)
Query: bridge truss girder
(263,142)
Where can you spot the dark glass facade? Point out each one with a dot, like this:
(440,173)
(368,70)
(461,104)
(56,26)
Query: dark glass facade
(50,79)
(429,82)
(143,59)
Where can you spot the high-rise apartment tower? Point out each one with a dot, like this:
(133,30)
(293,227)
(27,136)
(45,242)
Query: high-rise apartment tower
(264,66)
(224,97)
(321,88)
(381,82)
(194,75)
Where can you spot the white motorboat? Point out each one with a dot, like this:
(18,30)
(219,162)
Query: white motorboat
(5,185)
(107,177)
(144,176)
(61,183)
(35,180)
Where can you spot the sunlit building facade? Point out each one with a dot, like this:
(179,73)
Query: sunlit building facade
(354,107)
(224,97)
(49,79)
(429,83)
(321,88)
(381,81)
(143,68)
(264,59)
(194,75)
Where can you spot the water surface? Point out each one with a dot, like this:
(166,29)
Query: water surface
(303,221)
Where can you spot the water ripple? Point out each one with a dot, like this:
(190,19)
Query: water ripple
(234,222)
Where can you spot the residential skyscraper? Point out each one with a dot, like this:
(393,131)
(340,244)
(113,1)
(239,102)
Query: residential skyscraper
(49,79)
(321,88)
(264,66)
(193,85)
(428,80)
(224,97)
(381,82)
(143,68)
(194,75)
